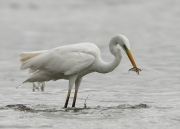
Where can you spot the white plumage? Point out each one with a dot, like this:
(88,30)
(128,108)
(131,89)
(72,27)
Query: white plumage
(67,60)
(72,62)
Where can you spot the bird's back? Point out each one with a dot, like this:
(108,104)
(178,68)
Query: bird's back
(66,60)
(88,48)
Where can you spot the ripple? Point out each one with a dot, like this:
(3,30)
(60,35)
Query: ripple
(44,108)
(20,107)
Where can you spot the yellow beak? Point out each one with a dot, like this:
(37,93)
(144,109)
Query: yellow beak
(129,54)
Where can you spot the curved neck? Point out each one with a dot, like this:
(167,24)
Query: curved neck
(105,67)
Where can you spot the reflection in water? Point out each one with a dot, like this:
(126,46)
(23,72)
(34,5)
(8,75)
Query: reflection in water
(39,87)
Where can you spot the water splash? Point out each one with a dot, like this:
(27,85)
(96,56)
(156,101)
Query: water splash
(85,101)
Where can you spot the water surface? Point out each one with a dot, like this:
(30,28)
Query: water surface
(115,100)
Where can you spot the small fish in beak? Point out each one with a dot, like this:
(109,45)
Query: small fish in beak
(135,69)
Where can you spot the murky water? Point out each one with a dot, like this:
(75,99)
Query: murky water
(115,100)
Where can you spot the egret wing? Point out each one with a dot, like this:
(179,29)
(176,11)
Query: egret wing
(59,62)
(84,61)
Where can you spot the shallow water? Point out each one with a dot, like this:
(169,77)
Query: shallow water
(115,100)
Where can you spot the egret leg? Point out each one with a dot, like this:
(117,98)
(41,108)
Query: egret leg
(67,98)
(74,100)
(77,84)
(71,83)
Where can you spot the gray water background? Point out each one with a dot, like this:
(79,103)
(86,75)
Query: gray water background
(115,100)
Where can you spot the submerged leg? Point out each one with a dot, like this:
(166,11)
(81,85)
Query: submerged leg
(71,83)
(77,84)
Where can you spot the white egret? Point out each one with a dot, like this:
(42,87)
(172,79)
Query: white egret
(72,62)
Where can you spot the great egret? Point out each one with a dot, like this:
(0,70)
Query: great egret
(72,62)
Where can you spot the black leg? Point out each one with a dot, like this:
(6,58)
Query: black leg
(75,96)
(67,99)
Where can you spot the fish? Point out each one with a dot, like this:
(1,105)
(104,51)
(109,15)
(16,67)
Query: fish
(135,69)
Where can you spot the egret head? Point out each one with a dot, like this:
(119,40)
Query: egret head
(124,43)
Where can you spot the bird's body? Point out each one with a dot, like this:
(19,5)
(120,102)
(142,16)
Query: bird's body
(61,62)
(72,62)
(64,62)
